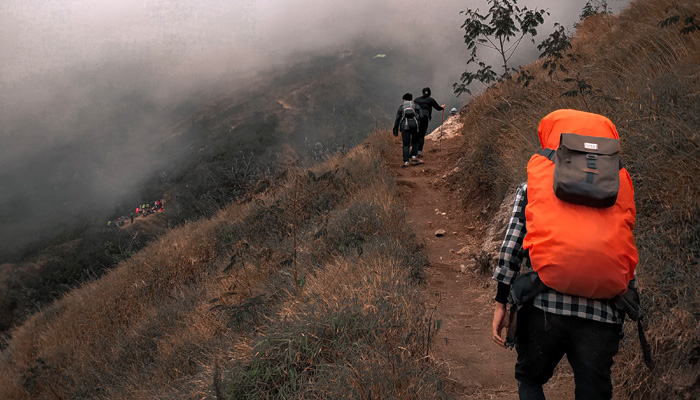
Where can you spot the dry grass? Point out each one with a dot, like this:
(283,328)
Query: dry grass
(356,329)
(305,291)
(326,251)
(115,329)
(652,75)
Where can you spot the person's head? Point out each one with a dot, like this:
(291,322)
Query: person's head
(426,91)
(407,97)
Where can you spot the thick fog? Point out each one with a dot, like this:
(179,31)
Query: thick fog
(86,86)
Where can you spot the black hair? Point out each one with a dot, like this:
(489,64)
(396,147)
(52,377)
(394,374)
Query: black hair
(426,91)
(407,97)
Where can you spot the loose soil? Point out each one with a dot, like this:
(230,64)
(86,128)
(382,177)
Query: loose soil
(462,300)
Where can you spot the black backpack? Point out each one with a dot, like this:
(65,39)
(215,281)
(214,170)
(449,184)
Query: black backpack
(409,115)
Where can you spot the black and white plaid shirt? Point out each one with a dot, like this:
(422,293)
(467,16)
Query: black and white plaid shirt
(551,301)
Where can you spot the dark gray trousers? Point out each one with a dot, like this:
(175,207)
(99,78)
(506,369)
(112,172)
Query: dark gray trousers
(410,143)
(541,341)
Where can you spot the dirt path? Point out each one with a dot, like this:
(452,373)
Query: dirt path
(462,301)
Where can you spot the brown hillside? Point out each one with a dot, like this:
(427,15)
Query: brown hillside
(315,288)
(646,79)
(323,266)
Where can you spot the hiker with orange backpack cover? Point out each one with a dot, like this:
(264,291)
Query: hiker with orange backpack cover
(582,254)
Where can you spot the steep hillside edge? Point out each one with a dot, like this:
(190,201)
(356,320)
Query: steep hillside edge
(308,288)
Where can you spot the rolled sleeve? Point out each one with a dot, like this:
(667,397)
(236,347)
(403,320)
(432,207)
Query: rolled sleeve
(511,254)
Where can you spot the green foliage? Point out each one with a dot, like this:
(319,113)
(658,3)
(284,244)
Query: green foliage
(500,30)
(581,87)
(585,90)
(553,49)
(594,7)
(691,23)
(525,77)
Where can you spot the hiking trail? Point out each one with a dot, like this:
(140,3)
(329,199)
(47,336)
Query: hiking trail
(462,300)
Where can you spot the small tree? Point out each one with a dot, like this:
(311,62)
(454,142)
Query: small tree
(525,77)
(583,89)
(553,49)
(594,7)
(501,29)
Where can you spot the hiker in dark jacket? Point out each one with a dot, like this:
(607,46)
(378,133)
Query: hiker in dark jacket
(407,121)
(426,104)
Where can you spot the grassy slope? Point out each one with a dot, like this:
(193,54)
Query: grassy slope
(212,308)
(166,322)
(653,75)
(235,144)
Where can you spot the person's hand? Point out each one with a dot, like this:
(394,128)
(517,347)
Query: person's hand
(500,321)
(443,106)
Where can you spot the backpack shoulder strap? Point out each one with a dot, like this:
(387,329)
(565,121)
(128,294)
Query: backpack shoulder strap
(549,153)
(646,349)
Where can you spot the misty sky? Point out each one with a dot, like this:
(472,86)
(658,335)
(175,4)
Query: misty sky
(196,38)
(98,77)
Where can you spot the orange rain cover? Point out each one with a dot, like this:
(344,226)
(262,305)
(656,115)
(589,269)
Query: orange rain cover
(576,249)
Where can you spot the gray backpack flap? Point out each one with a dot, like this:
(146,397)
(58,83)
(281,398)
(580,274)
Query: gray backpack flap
(408,109)
(587,170)
(409,115)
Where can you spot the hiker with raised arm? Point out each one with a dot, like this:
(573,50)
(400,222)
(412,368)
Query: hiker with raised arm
(572,222)
(407,121)
(426,104)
